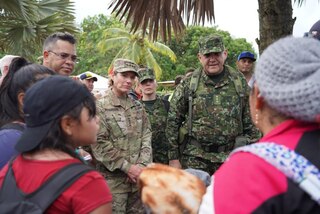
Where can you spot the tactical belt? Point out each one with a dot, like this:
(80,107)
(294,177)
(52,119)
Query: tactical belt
(214,148)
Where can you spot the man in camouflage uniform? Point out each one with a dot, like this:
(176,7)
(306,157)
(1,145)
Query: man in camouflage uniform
(123,147)
(220,118)
(157,110)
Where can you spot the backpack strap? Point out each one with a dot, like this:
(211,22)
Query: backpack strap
(16,126)
(166,104)
(236,79)
(194,82)
(9,186)
(293,165)
(48,192)
(58,183)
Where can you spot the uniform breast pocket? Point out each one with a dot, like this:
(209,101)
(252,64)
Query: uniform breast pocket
(232,103)
(201,103)
(117,126)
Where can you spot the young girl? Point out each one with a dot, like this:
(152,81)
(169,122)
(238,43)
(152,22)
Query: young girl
(60,115)
(20,77)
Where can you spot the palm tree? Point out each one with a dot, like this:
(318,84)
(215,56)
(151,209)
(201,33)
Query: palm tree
(159,16)
(135,47)
(24,24)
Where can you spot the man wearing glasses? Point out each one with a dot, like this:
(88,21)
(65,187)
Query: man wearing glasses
(59,53)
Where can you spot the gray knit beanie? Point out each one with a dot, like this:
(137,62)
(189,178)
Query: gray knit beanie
(288,77)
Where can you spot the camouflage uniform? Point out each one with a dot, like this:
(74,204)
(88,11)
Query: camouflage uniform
(157,115)
(157,111)
(124,139)
(217,119)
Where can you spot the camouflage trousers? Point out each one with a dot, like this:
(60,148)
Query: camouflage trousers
(199,163)
(129,202)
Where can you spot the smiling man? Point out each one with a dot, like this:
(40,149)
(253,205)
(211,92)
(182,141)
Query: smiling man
(209,113)
(59,53)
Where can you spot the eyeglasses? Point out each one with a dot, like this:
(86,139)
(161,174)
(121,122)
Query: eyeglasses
(65,56)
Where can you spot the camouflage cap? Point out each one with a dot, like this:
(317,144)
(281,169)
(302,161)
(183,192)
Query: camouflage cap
(124,65)
(211,44)
(146,73)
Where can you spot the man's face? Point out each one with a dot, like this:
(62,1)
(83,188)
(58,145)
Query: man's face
(212,63)
(245,65)
(61,58)
(148,87)
(89,83)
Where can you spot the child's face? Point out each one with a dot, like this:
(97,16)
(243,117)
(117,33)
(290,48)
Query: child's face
(85,131)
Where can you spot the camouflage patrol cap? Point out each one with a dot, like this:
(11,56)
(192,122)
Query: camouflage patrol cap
(211,44)
(146,74)
(124,65)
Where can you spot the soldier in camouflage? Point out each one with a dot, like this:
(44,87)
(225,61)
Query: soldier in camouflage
(220,118)
(123,146)
(157,110)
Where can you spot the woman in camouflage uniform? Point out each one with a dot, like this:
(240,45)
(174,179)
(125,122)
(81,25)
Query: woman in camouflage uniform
(124,140)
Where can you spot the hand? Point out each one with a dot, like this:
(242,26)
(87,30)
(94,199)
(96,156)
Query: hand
(128,180)
(134,173)
(175,164)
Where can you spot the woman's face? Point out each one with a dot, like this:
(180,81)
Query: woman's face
(84,132)
(122,82)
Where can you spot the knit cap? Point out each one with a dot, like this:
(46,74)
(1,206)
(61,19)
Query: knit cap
(315,30)
(288,77)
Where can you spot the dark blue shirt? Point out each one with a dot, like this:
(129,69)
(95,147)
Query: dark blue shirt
(8,140)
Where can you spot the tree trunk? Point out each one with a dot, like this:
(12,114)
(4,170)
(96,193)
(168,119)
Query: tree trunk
(275,21)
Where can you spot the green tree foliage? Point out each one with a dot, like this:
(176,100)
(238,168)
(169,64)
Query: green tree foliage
(187,48)
(136,47)
(91,59)
(24,24)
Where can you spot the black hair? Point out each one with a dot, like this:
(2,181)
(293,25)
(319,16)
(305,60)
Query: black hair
(53,38)
(57,139)
(22,74)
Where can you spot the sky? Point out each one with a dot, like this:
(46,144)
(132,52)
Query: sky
(240,18)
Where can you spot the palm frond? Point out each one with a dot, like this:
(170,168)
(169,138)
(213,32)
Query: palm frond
(152,63)
(160,16)
(136,52)
(115,32)
(299,2)
(24,24)
(162,49)
(22,9)
(111,43)
(120,54)
(49,7)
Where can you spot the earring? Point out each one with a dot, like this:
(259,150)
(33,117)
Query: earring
(256,119)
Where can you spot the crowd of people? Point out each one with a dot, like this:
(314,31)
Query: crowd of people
(51,120)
